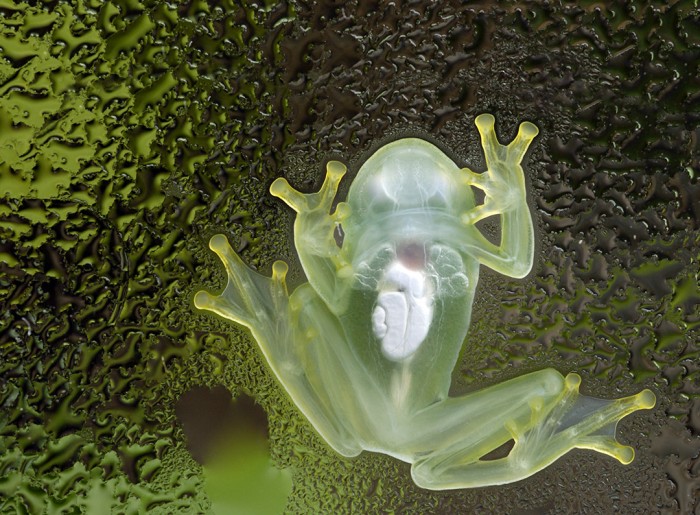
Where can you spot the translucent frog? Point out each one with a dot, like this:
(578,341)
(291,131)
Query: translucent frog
(366,348)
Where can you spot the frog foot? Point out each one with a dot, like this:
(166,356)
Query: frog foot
(503,183)
(249,297)
(319,202)
(495,152)
(574,421)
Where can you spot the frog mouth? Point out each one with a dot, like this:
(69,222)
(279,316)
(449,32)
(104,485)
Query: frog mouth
(408,232)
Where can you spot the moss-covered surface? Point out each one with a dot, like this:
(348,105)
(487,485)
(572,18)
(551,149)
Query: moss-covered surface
(132,131)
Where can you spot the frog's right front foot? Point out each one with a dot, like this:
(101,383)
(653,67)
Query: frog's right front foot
(574,421)
(315,225)
(310,203)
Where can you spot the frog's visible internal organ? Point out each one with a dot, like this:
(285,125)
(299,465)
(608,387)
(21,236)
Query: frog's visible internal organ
(404,311)
(366,348)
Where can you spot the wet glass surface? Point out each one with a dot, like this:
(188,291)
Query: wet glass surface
(131,131)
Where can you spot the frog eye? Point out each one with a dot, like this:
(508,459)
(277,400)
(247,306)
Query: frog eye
(383,194)
(416,185)
(403,314)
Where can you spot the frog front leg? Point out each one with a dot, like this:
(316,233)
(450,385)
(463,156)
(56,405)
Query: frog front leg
(542,412)
(503,185)
(324,262)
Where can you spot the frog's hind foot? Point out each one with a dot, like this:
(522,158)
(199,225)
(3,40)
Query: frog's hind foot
(594,421)
(249,297)
(575,421)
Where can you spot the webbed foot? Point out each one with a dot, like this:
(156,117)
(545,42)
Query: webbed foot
(574,421)
(249,297)
(559,420)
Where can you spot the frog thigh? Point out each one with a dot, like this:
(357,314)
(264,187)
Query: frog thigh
(321,382)
(293,333)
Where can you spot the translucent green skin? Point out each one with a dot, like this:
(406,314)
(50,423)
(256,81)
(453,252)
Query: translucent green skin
(410,240)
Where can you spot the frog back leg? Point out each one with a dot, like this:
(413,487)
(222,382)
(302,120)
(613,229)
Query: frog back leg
(542,412)
(296,336)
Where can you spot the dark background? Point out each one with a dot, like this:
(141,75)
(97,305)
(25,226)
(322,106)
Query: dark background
(130,132)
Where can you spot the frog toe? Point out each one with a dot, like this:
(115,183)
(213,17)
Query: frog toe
(249,296)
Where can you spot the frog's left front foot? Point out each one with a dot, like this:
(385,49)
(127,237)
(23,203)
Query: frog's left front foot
(504,182)
(574,421)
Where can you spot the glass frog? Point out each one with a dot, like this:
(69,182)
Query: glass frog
(366,348)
